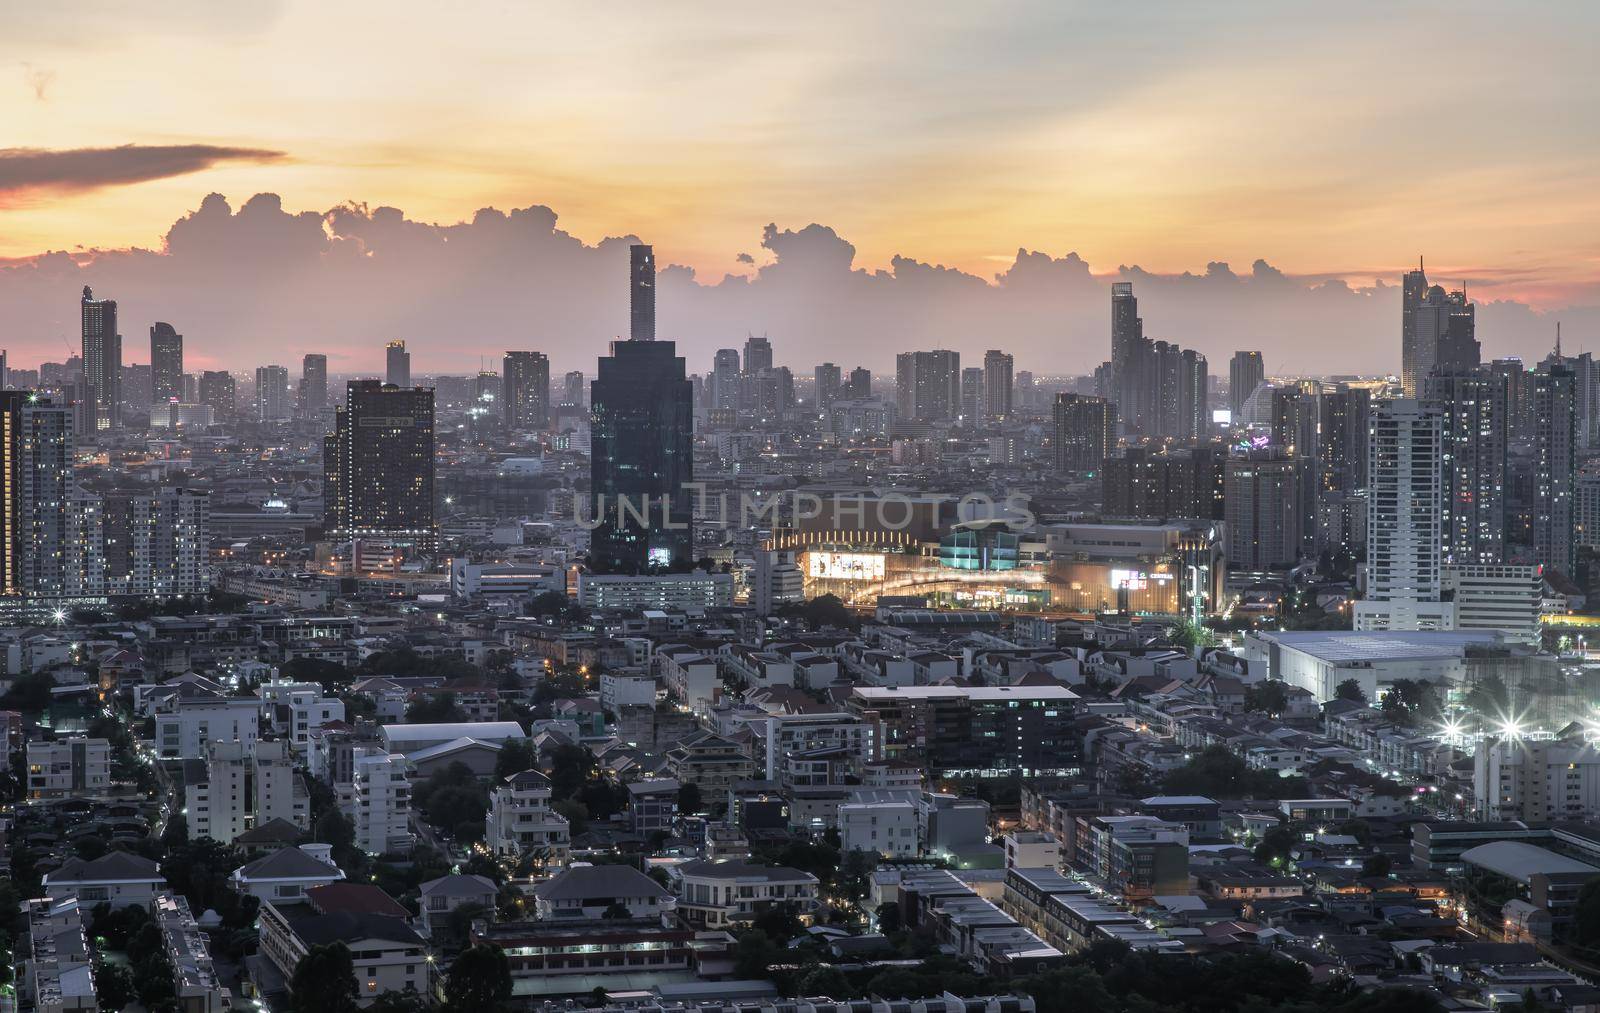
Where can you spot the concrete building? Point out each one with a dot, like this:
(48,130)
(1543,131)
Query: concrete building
(520,821)
(75,766)
(1405,588)
(1536,781)
(889,829)
(381,799)
(675,591)
(720,895)
(389,955)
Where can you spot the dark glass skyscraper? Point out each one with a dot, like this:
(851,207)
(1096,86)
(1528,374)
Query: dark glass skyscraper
(397,364)
(313,383)
(642,292)
(166,364)
(641,407)
(378,466)
(1086,431)
(1245,374)
(102,363)
(526,390)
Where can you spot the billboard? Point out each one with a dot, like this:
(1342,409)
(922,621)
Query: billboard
(844,565)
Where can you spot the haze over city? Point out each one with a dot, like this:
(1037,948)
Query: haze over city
(950,175)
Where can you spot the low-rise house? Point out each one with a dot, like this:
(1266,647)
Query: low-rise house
(440,898)
(717,895)
(118,878)
(287,874)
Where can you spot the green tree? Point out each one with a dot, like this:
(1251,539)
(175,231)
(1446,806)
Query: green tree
(480,979)
(434,708)
(1270,696)
(408,1001)
(690,800)
(1376,865)
(1586,915)
(324,981)
(1350,689)
(754,953)
(113,985)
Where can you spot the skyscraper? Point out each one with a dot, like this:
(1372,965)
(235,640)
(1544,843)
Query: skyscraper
(219,390)
(313,383)
(1342,443)
(828,380)
(859,385)
(972,394)
(378,466)
(1246,372)
(526,390)
(36,513)
(572,393)
(1436,328)
(12,531)
(928,385)
(997,379)
(1127,337)
(1404,536)
(725,379)
(102,363)
(641,464)
(1471,404)
(398,361)
(642,292)
(1086,431)
(272,393)
(166,364)
(757,355)
(1263,510)
(1555,461)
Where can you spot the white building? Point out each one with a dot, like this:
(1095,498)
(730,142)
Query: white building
(1537,781)
(620,689)
(1032,850)
(76,766)
(673,591)
(691,677)
(287,873)
(717,895)
(504,580)
(521,822)
(887,828)
(779,580)
(183,731)
(412,738)
(389,955)
(119,878)
(1495,596)
(298,708)
(381,800)
(1319,661)
(1404,536)
(59,974)
(194,976)
(245,789)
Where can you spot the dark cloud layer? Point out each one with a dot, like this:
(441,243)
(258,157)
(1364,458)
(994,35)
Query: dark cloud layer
(26,173)
(263,284)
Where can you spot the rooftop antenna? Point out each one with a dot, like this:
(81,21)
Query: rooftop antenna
(1558,339)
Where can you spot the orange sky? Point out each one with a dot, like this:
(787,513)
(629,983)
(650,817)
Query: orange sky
(1337,141)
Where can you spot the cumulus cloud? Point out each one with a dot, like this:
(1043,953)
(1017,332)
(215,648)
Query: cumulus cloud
(29,173)
(263,283)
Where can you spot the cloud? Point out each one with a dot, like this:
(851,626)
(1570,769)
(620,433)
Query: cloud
(29,173)
(262,283)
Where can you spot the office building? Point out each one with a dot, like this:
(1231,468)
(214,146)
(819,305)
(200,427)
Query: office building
(997,384)
(1472,410)
(272,393)
(102,364)
(757,355)
(221,392)
(1246,371)
(166,364)
(1555,465)
(1342,441)
(1404,536)
(313,394)
(397,363)
(928,386)
(378,466)
(642,292)
(641,460)
(1437,328)
(526,390)
(1127,341)
(725,379)
(1085,431)
(1263,508)
(1496,596)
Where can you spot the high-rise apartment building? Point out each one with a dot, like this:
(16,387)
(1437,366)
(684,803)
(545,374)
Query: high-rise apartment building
(1085,433)
(1555,465)
(725,379)
(155,543)
(641,460)
(828,381)
(1342,440)
(1263,509)
(1404,531)
(972,394)
(313,392)
(642,292)
(1246,372)
(272,393)
(397,362)
(526,390)
(219,390)
(102,363)
(997,384)
(928,386)
(859,386)
(166,364)
(1127,342)
(1472,409)
(378,466)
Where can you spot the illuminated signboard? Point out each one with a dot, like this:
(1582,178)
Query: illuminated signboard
(845,565)
(1137,580)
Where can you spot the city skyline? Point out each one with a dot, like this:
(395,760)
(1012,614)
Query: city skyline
(930,148)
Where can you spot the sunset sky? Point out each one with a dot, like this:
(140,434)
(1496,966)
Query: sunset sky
(1331,140)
